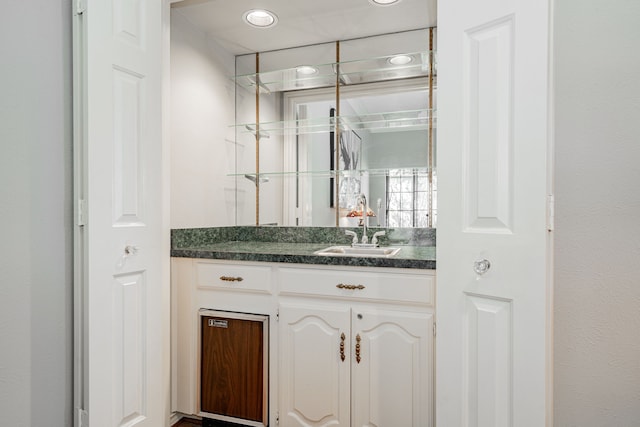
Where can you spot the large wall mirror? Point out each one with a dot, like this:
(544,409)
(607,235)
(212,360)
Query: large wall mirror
(319,126)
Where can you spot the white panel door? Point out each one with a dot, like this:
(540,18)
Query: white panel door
(118,55)
(392,368)
(493,298)
(314,366)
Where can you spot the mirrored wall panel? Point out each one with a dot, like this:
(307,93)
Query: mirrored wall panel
(338,133)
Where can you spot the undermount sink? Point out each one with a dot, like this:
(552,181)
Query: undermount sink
(379,252)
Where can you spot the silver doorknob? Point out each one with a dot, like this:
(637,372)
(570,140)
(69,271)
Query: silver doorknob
(481,266)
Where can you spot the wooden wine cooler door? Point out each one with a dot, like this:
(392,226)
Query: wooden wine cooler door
(234,367)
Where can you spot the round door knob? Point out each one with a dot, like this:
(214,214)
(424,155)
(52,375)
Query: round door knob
(130,250)
(481,266)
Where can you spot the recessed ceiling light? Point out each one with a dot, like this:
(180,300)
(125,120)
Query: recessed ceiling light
(384,2)
(306,70)
(260,18)
(400,59)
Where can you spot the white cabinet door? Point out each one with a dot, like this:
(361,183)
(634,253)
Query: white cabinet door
(314,380)
(122,341)
(494,324)
(392,368)
(379,373)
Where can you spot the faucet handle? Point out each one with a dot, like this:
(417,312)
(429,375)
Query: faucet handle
(353,234)
(374,239)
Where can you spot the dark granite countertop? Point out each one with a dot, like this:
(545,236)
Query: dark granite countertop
(290,245)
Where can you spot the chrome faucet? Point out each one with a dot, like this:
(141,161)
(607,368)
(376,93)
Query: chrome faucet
(353,234)
(374,239)
(364,242)
(362,200)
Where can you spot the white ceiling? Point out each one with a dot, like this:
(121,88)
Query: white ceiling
(303,22)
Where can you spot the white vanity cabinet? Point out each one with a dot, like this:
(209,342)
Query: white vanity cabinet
(348,345)
(356,347)
(238,287)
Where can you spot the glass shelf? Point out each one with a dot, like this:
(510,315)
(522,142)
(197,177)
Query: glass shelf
(305,126)
(381,69)
(289,79)
(420,171)
(395,121)
(351,72)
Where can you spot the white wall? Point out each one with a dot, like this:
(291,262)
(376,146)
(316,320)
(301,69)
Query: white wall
(35,214)
(202,141)
(597,243)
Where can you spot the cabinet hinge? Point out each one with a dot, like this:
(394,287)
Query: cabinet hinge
(551,214)
(277,315)
(277,417)
(82,212)
(80,6)
(434,329)
(83,416)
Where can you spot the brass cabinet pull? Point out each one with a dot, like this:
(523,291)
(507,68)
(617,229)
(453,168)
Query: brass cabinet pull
(231,279)
(358,339)
(342,338)
(350,287)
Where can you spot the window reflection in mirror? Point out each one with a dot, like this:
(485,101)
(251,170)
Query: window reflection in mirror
(383,135)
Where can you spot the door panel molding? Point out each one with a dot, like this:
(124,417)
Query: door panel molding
(488,375)
(488,126)
(128,23)
(128,91)
(129,336)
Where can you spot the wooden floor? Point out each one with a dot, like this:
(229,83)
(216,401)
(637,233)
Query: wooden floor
(188,422)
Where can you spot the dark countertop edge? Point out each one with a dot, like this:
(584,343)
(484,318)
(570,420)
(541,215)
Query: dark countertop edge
(195,237)
(306,259)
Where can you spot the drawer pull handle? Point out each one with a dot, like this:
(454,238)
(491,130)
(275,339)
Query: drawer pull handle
(231,279)
(358,339)
(350,287)
(342,338)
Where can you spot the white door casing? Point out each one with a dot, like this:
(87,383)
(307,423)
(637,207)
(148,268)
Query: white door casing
(123,243)
(494,340)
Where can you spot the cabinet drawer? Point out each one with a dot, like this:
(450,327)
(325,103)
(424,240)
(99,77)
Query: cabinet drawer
(352,284)
(234,277)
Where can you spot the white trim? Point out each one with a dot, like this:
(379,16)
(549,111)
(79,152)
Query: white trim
(165,82)
(550,235)
(79,235)
(174,418)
